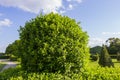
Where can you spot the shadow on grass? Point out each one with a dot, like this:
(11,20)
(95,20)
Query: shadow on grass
(2,65)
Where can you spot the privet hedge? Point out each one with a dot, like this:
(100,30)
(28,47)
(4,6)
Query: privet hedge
(53,43)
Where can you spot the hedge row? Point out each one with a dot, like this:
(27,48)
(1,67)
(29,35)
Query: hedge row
(96,74)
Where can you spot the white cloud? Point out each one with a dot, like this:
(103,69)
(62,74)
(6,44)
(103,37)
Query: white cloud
(5,22)
(62,11)
(78,1)
(70,6)
(110,33)
(37,6)
(96,41)
(34,6)
(68,0)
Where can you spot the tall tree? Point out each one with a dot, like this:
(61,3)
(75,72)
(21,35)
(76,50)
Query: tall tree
(14,48)
(105,59)
(113,45)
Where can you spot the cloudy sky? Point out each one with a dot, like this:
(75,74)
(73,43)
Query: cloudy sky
(100,18)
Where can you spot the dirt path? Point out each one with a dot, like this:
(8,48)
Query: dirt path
(9,64)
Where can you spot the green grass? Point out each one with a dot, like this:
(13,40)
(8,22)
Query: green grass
(94,64)
(2,64)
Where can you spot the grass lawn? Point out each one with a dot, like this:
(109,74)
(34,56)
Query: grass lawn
(94,64)
(2,64)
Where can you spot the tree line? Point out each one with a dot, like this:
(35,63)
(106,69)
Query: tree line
(105,53)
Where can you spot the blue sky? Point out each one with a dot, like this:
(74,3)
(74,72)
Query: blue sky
(100,18)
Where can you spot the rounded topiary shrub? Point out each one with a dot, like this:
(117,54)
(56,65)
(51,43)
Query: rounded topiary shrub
(53,43)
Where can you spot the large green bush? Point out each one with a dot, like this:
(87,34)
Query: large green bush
(53,43)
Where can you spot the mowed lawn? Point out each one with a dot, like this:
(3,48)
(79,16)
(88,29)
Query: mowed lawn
(94,64)
(2,64)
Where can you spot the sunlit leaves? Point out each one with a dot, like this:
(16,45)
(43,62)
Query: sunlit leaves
(53,43)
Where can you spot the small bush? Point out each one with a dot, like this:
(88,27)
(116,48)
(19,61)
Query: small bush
(94,57)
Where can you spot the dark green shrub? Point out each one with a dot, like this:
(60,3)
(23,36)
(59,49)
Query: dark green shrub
(114,56)
(53,43)
(94,57)
(4,57)
(11,72)
(118,56)
(13,58)
(105,59)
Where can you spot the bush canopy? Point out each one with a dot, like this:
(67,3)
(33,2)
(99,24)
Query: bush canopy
(53,43)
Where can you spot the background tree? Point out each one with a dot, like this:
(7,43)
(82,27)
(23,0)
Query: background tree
(114,45)
(118,56)
(53,43)
(96,49)
(105,59)
(94,57)
(13,49)
(2,54)
(9,49)
(95,52)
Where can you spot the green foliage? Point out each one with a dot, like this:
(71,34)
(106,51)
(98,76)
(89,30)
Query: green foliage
(13,58)
(13,49)
(9,49)
(100,73)
(118,56)
(1,65)
(114,45)
(53,43)
(4,57)
(94,57)
(43,76)
(96,49)
(1,53)
(11,72)
(105,59)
